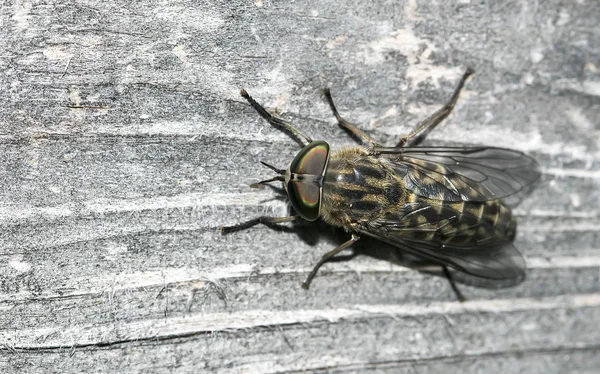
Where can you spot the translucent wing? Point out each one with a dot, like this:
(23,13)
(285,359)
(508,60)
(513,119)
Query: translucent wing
(451,234)
(463,174)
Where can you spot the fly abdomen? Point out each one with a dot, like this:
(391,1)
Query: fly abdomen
(472,223)
(500,216)
(452,223)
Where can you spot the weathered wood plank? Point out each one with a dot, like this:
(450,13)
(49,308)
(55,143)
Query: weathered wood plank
(124,145)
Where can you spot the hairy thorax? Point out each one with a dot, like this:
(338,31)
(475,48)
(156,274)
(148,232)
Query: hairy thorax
(358,187)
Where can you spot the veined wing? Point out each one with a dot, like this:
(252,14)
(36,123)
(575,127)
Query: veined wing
(463,174)
(451,234)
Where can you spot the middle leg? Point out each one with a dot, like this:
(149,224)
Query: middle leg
(326,257)
(273,120)
(364,138)
(421,131)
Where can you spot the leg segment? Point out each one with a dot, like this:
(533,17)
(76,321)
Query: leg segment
(347,125)
(419,133)
(326,257)
(253,222)
(261,184)
(459,295)
(274,121)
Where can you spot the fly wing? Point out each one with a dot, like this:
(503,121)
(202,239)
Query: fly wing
(445,235)
(464,174)
(497,261)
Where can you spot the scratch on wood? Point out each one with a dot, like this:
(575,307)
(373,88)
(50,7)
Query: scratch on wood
(87,106)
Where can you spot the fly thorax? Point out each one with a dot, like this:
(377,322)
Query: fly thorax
(360,187)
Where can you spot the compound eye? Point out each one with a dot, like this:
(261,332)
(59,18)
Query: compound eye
(311,159)
(306,199)
(305,193)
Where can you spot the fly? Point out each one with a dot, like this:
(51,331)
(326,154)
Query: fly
(450,205)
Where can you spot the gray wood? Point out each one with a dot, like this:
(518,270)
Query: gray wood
(124,146)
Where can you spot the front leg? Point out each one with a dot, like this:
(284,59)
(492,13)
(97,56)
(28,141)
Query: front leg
(253,222)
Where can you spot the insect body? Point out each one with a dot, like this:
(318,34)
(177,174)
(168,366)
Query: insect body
(441,203)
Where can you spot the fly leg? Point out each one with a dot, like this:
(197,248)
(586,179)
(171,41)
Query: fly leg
(421,131)
(253,222)
(326,257)
(274,121)
(459,295)
(355,131)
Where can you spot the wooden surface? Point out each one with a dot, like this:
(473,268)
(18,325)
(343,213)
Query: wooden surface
(124,145)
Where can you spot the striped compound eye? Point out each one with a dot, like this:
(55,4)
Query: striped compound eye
(307,170)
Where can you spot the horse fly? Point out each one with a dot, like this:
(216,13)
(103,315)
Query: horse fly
(449,205)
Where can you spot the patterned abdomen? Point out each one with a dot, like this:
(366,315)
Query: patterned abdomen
(454,223)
